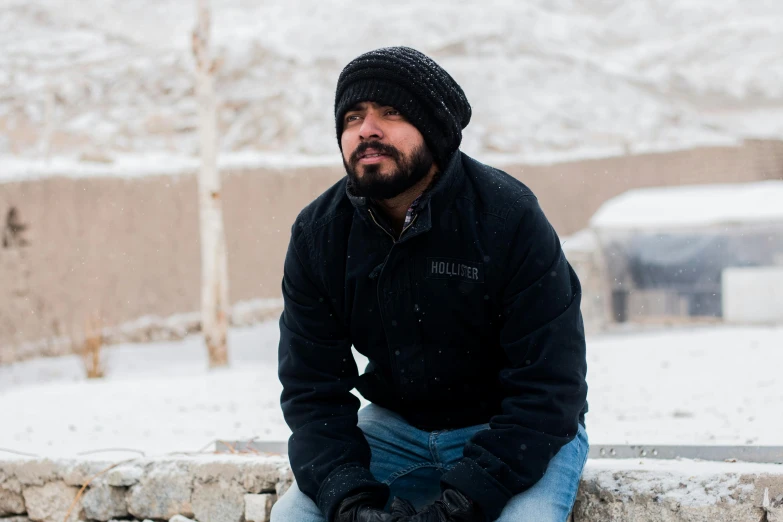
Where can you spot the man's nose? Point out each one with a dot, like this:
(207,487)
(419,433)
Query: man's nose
(370,128)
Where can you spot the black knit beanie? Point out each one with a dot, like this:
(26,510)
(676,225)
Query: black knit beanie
(413,84)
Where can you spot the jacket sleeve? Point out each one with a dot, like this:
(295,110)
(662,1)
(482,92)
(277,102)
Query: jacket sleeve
(329,454)
(544,381)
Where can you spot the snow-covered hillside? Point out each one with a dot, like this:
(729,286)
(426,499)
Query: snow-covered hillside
(548,79)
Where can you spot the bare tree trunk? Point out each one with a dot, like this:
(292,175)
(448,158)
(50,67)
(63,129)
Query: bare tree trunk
(214,265)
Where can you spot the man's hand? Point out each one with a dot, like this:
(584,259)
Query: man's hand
(359,508)
(452,506)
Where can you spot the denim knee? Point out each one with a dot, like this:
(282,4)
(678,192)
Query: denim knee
(295,506)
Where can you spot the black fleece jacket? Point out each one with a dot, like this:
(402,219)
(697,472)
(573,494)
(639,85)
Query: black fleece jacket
(470,316)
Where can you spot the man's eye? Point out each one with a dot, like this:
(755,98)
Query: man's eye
(393,112)
(352,117)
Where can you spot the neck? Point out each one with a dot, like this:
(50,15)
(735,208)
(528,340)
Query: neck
(396,207)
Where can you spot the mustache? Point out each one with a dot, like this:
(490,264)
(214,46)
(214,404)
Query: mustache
(382,148)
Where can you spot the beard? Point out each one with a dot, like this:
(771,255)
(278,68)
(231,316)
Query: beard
(373,184)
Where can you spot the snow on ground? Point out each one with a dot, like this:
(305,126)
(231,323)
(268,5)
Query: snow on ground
(548,80)
(157,398)
(706,385)
(700,385)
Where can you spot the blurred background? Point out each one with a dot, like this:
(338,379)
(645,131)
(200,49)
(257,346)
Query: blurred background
(651,131)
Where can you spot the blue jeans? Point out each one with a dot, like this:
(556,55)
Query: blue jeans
(411,462)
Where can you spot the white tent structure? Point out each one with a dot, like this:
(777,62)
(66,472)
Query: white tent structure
(667,250)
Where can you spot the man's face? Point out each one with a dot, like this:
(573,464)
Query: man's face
(384,155)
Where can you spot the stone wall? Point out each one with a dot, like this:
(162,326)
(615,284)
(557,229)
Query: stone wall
(242,488)
(679,491)
(123,248)
(205,488)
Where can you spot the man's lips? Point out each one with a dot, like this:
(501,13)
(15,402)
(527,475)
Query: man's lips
(371,156)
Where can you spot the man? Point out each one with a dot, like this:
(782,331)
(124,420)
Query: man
(446,275)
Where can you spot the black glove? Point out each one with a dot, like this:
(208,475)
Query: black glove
(360,508)
(452,506)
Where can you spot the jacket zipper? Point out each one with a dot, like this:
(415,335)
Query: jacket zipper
(387,232)
(409,225)
(379,226)
(380,276)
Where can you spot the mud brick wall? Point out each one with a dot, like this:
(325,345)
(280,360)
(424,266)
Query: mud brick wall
(123,248)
